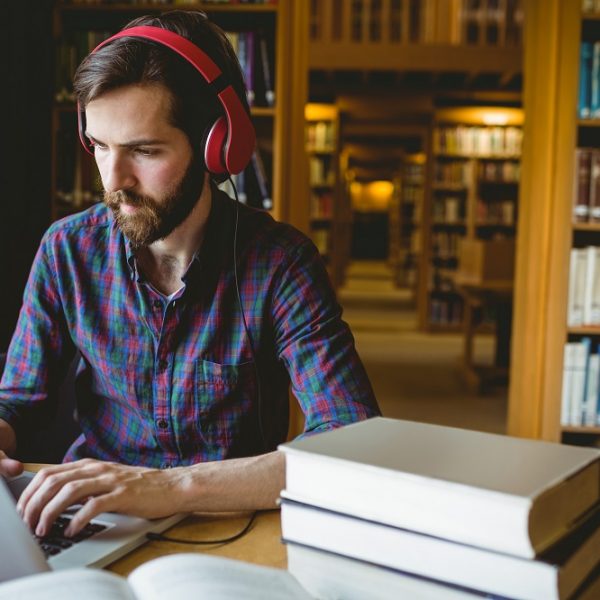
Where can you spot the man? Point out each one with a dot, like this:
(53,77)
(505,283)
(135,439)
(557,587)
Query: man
(182,395)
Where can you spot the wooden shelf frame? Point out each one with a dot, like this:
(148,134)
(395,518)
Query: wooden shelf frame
(552,30)
(150,8)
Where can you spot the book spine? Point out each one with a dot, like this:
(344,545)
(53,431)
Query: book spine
(595,82)
(592,388)
(565,410)
(594,194)
(588,299)
(585,84)
(581,194)
(266,71)
(577,274)
(261,178)
(578,382)
(249,67)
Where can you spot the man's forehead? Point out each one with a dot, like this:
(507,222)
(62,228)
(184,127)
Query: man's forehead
(135,112)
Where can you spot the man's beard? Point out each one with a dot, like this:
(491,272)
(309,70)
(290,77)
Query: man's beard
(155,220)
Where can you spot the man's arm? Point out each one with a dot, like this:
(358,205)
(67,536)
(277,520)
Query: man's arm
(8,444)
(230,485)
(327,376)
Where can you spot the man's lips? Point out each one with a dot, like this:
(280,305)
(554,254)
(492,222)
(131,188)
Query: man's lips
(128,208)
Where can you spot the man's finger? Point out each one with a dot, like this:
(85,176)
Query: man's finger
(90,510)
(71,493)
(56,472)
(9,467)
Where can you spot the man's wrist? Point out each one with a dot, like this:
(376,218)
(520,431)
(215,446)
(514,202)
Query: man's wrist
(230,485)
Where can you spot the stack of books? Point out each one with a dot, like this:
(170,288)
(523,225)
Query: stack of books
(387,508)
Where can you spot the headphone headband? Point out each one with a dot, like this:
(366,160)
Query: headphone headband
(231,139)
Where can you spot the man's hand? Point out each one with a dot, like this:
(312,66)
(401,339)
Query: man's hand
(8,442)
(99,487)
(9,467)
(236,484)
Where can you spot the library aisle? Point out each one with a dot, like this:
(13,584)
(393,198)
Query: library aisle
(415,375)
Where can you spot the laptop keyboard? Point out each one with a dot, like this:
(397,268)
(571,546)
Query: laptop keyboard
(56,541)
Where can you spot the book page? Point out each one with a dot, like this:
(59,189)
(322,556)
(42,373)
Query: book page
(199,576)
(70,584)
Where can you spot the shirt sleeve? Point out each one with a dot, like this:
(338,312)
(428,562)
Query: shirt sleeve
(327,376)
(34,363)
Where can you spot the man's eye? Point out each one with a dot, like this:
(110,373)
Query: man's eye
(145,151)
(95,145)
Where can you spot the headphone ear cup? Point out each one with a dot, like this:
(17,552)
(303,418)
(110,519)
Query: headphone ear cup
(214,147)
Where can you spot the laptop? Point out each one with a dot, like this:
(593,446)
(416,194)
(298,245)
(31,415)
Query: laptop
(108,537)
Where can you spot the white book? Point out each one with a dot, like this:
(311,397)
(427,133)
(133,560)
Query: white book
(180,576)
(331,576)
(593,285)
(487,490)
(592,389)
(555,576)
(565,407)
(578,381)
(577,276)
(590,269)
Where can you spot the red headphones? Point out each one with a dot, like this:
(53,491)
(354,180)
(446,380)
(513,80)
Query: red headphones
(231,138)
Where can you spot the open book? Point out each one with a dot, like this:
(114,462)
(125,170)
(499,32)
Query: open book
(178,576)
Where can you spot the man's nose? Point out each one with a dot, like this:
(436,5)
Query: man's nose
(117,174)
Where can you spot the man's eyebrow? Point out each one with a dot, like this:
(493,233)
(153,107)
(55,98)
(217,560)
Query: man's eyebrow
(132,143)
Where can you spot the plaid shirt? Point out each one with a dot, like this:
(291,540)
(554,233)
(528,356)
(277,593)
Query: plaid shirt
(164,383)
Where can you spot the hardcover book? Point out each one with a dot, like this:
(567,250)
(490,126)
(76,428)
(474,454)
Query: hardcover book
(497,492)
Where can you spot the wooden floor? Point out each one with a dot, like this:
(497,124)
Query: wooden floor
(416,376)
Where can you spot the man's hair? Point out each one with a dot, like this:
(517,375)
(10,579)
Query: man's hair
(135,61)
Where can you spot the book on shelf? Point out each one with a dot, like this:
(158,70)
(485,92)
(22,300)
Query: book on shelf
(585,80)
(554,575)
(262,180)
(583,300)
(475,140)
(320,136)
(580,384)
(504,494)
(582,184)
(321,205)
(174,576)
(266,69)
(586,189)
(246,56)
(588,106)
(590,7)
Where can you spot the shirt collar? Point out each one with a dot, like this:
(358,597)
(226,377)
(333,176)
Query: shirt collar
(216,248)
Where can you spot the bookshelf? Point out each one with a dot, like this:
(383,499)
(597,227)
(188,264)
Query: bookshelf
(549,230)
(322,148)
(423,35)
(271,42)
(406,216)
(473,195)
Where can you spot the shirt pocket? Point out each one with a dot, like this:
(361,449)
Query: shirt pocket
(225,397)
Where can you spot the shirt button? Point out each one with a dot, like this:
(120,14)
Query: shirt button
(157,304)
(162,424)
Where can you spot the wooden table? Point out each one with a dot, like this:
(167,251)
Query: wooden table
(499,295)
(260,545)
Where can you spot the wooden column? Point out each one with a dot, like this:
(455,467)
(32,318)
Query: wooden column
(544,236)
(293,67)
